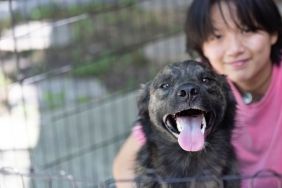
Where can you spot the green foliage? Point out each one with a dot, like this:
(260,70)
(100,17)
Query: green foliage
(83,99)
(4,24)
(94,68)
(116,71)
(4,81)
(82,30)
(56,11)
(108,63)
(101,32)
(54,100)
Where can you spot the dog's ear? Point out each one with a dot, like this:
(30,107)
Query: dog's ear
(143,109)
(228,92)
(143,101)
(231,103)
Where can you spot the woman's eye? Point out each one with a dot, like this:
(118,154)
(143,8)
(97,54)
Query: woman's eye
(164,86)
(246,30)
(215,37)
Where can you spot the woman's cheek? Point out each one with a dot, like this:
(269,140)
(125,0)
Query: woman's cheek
(215,55)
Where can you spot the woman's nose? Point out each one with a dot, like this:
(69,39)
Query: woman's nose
(235,45)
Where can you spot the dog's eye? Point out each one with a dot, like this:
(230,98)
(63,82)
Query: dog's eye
(206,79)
(164,86)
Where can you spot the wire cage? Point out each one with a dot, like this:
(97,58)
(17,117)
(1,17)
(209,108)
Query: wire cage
(69,73)
(263,177)
(69,76)
(22,180)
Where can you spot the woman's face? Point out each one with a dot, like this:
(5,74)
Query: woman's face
(242,55)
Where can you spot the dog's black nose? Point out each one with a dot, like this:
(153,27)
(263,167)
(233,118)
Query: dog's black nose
(187,91)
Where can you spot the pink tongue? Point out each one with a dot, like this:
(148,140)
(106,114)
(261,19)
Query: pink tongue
(191,137)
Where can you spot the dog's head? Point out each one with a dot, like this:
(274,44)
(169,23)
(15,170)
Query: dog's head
(187,101)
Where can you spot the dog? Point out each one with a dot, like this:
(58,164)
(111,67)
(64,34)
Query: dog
(187,114)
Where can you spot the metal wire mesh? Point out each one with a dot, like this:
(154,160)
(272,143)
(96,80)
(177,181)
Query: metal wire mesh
(269,177)
(68,78)
(63,179)
(69,71)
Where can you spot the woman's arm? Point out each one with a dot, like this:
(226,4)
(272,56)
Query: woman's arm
(124,162)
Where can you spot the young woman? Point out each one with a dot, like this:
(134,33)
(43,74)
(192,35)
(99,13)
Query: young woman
(241,39)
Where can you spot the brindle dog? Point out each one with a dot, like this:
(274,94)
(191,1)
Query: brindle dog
(187,112)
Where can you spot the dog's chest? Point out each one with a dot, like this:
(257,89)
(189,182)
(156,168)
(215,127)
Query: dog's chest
(169,165)
(171,161)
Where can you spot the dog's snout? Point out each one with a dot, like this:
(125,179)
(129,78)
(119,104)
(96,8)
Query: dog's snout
(187,91)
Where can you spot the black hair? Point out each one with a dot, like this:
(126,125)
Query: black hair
(252,14)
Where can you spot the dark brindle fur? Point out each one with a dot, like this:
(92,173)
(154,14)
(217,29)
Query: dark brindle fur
(180,86)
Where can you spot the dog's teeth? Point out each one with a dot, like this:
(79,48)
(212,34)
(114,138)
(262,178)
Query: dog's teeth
(204,124)
(179,127)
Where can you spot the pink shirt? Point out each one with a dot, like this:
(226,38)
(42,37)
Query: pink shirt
(257,137)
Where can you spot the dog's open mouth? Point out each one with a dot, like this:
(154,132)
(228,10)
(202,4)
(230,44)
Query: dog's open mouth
(189,127)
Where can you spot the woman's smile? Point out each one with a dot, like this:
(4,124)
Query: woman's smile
(238,64)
